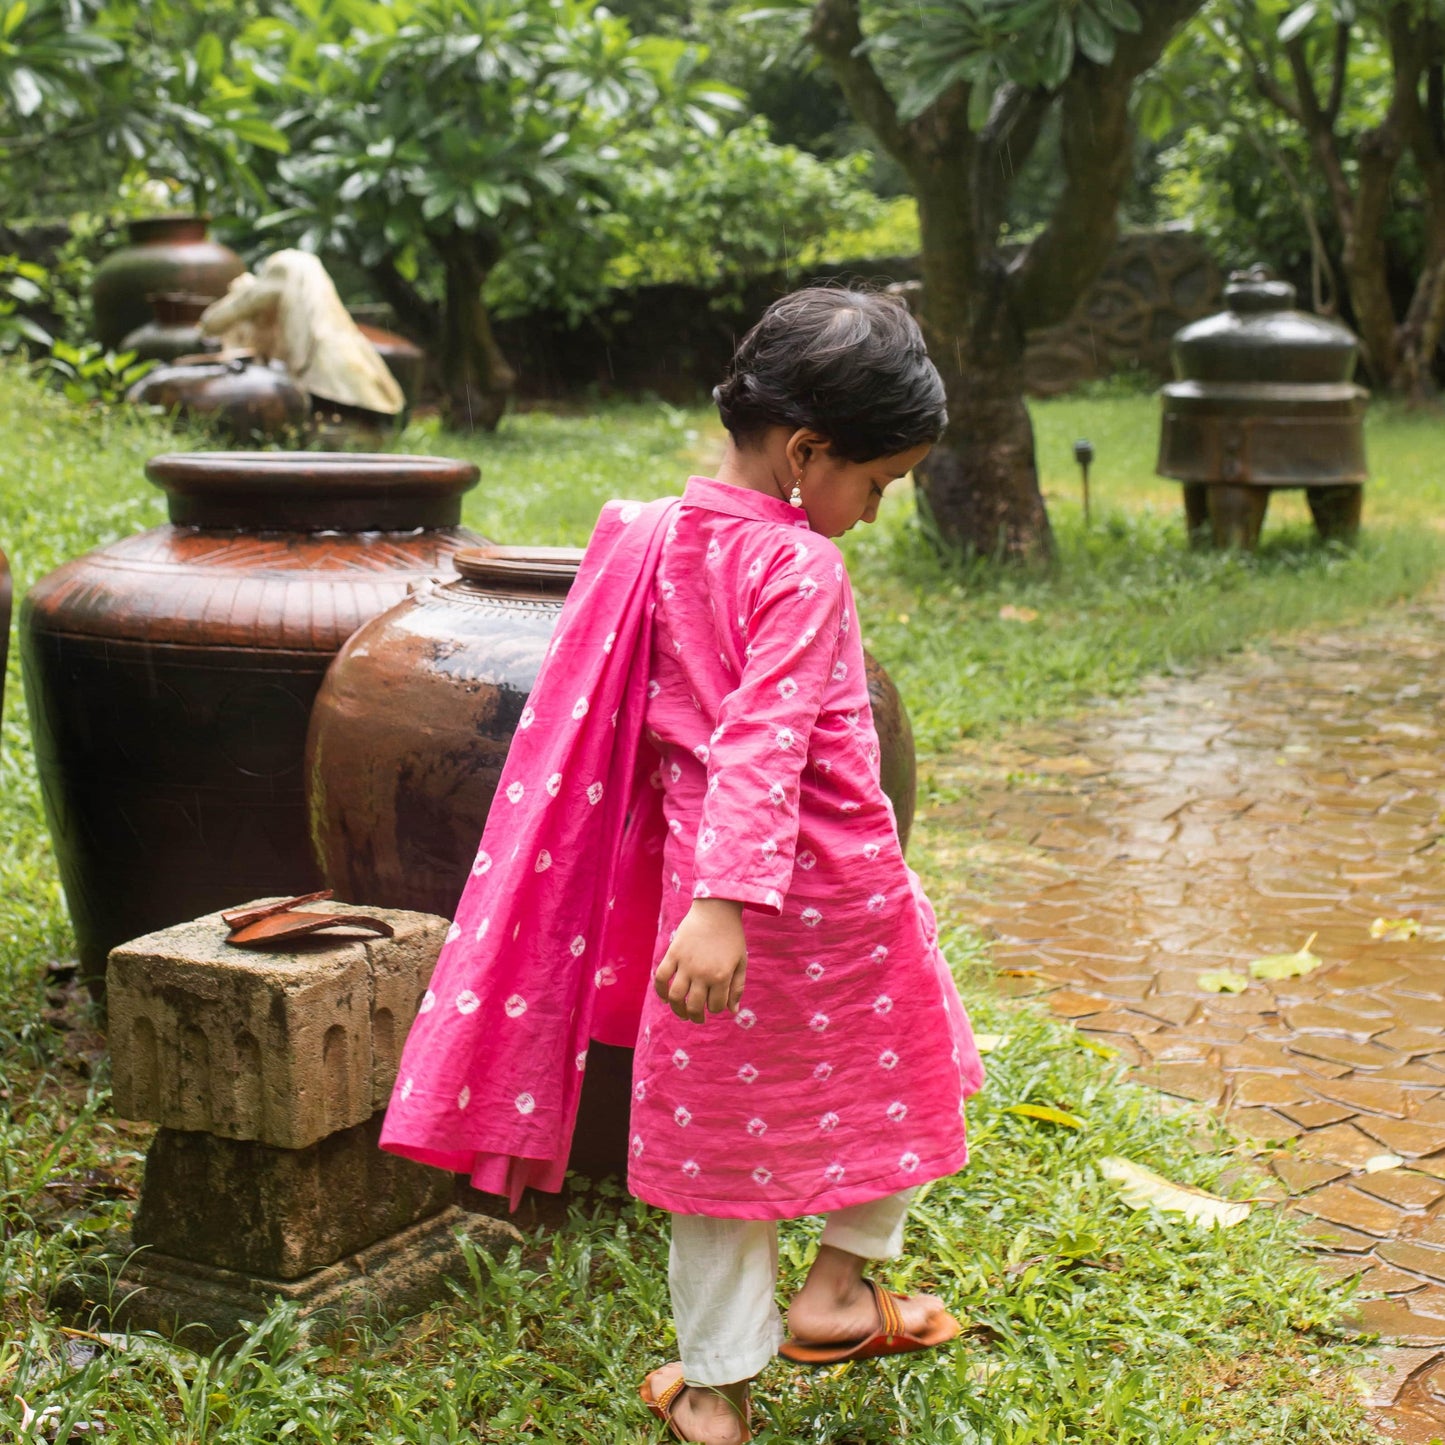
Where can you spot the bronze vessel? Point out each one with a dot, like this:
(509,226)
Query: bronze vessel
(164,254)
(1264,400)
(248,402)
(170,675)
(407,740)
(173,330)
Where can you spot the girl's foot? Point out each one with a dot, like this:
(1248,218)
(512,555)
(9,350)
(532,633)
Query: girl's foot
(835,1305)
(709,1415)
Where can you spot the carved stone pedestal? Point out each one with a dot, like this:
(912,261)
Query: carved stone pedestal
(268,1074)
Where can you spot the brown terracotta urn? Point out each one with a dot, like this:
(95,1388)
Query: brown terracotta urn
(407,740)
(170,675)
(165,253)
(246,401)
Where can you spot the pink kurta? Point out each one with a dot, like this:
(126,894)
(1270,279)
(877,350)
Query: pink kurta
(843,1076)
(724,627)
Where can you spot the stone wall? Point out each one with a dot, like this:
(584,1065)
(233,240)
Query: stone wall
(674,341)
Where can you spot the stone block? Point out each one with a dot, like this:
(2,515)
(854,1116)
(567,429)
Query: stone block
(200,1305)
(279,1048)
(280,1213)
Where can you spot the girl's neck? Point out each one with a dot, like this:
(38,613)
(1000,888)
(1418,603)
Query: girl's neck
(764,469)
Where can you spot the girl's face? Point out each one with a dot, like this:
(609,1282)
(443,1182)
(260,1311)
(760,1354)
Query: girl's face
(837,495)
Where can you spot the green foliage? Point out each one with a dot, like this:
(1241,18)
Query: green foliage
(1243,174)
(96,92)
(22,287)
(90,373)
(990,43)
(483,119)
(694,208)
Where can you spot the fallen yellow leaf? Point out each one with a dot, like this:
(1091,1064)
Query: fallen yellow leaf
(1394,930)
(1223,980)
(1047,1114)
(1378,1163)
(1287,965)
(1140,1187)
(1009,613)
(989,1043)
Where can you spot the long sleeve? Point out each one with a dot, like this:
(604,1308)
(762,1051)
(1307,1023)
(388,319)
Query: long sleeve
(747,834)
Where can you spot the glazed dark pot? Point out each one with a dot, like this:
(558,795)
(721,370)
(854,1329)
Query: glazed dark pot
(5,592)
(412,726)
(246,401)
(165,254)
(174,330)
(407,740)
(170,675)
(405,360)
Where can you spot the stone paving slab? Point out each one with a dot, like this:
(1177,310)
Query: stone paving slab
(1223,817)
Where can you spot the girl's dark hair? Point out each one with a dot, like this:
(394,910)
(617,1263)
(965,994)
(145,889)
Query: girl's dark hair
(850,365)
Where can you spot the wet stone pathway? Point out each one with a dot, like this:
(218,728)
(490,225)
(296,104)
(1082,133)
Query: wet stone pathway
(1227,816)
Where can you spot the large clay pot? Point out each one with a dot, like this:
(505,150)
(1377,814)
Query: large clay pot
(246,401)
(412,726)
(405,360)
(171,674)
(408,736)
(174,329)
(166,253)
(5,588)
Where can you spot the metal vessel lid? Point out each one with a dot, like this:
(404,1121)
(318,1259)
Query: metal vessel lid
(547,569)
(312,491)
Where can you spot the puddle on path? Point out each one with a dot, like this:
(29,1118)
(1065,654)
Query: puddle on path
(1208,822)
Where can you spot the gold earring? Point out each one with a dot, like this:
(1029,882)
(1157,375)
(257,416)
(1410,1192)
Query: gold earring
(797,497)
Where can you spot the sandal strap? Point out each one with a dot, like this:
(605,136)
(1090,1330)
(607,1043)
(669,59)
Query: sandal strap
(669,1395)
(890,1322)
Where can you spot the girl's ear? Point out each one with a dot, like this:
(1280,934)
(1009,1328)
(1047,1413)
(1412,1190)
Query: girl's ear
(803,446)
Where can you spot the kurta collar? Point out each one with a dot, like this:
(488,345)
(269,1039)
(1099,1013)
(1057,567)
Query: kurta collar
(741,502)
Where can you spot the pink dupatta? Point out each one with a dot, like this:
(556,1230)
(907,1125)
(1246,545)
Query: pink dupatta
(553,938)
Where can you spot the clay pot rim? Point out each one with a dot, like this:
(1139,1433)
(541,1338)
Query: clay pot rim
(512,566)
(334,474)
(139,226)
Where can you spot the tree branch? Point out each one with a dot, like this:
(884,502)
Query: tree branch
(1097,147)
(1004,145)
(1338,72)
(838,37)
(1265,81)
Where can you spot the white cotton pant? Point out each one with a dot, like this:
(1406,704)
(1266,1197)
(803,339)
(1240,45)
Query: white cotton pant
(724,1276)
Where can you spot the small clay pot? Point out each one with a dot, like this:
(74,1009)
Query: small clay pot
(165,254)
(173,331)
(247,401)
(170,674)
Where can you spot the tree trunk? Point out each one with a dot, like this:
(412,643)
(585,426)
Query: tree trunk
(979,487)
(476,378)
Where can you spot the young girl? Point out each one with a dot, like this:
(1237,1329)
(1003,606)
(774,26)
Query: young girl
(693,800)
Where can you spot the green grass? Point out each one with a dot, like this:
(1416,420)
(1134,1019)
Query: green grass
(1096,1325)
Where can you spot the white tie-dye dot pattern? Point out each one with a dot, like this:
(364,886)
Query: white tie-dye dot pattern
(757,705)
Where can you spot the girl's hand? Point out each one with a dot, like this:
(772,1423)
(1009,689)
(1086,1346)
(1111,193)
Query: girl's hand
(703,969)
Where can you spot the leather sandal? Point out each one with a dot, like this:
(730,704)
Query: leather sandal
(890,1338)
(661,1405)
